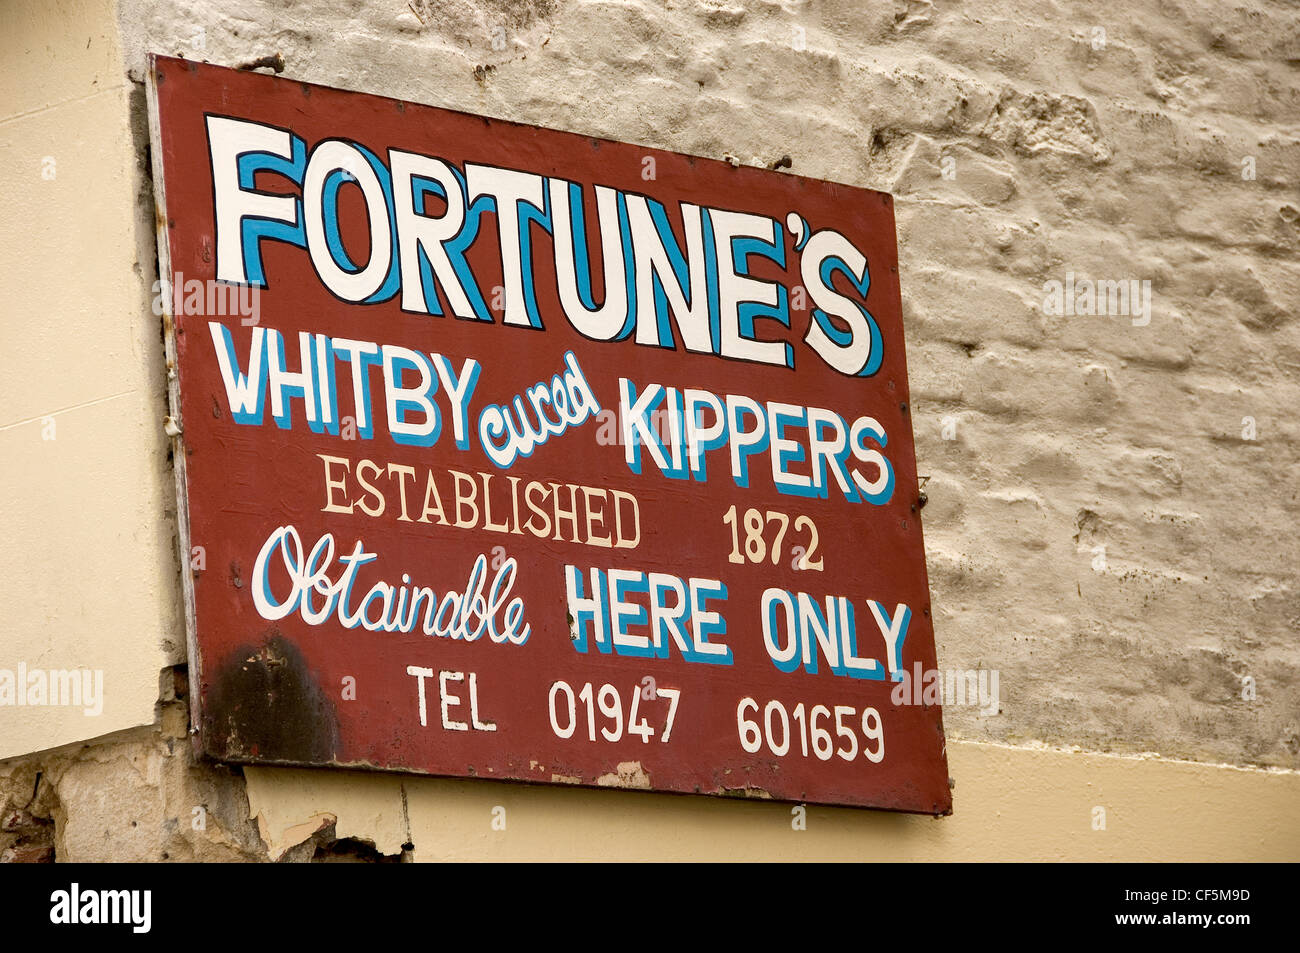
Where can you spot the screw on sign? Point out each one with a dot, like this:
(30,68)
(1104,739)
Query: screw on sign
(578,475)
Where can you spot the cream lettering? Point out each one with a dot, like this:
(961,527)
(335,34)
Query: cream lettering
(482,607)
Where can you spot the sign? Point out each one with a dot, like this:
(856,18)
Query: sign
(509,453)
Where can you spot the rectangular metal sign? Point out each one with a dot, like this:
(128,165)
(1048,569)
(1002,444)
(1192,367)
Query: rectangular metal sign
(504,452)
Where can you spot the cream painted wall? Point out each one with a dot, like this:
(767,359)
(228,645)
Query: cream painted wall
(1013,804)
(88,571)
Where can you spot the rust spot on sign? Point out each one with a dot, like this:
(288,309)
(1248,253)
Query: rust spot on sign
(266,704)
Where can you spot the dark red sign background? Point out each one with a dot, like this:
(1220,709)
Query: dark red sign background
(274,692)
